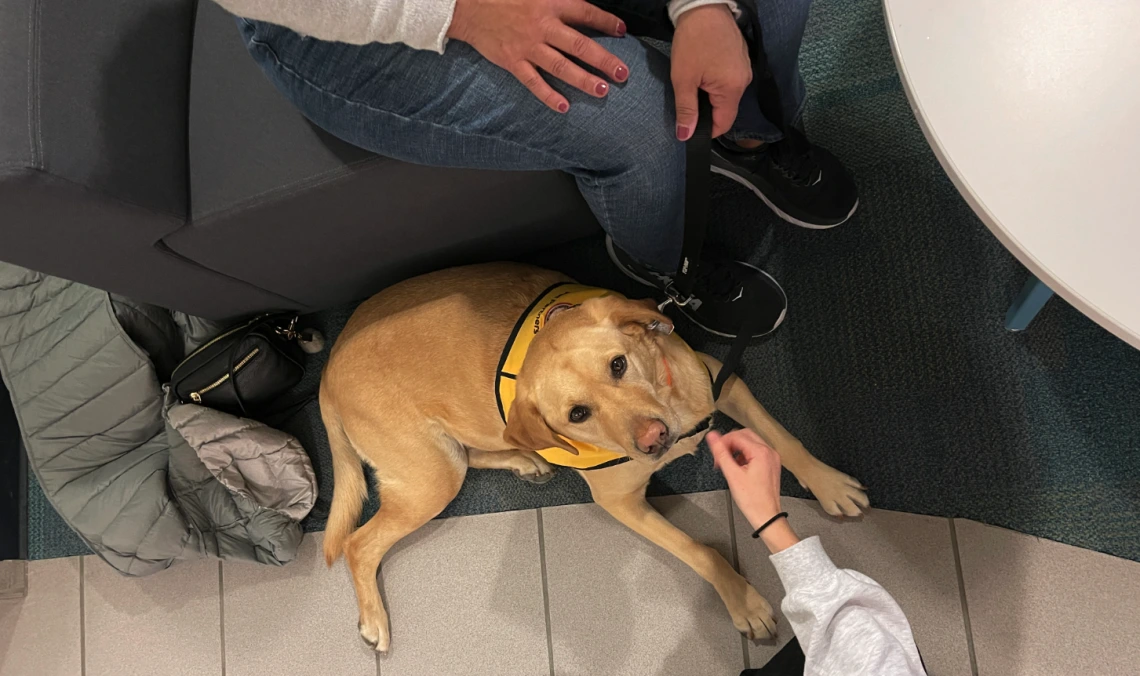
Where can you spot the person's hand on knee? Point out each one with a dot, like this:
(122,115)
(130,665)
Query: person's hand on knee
(523,36)
(709,53)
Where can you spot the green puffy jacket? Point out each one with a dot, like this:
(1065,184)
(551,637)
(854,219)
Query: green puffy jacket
(141,485)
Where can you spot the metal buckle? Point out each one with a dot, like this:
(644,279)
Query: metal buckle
(673,297)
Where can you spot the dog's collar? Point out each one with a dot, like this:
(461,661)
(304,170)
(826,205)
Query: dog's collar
(702,426)
(705,422)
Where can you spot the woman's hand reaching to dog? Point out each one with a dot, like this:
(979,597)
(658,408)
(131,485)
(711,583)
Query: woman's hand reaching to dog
(752,470)
(846,623)
(525,36)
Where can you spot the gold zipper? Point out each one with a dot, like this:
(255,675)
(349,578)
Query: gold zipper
(197,396)
(221,336)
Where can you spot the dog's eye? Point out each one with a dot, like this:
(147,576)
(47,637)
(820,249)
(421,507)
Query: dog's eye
(617,366)
(579,414)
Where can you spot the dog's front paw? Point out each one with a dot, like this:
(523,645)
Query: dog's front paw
(838,494)
(374,631)
(751,614)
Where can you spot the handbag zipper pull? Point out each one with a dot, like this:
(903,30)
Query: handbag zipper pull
(196,398)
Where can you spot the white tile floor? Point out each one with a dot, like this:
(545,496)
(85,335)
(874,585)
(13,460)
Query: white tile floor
(568,591)
(619,605)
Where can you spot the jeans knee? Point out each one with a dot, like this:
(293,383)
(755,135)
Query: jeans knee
(640,201)
(654,177)
(632,169)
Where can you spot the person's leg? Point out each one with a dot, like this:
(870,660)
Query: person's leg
(460,110)
(782,25)
(803,184)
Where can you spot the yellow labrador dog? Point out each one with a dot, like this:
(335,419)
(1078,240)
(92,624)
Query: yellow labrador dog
(424,374)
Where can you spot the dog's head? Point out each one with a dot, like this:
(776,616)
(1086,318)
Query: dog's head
(597,373)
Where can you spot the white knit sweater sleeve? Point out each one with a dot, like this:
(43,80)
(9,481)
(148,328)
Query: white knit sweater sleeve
(421,24)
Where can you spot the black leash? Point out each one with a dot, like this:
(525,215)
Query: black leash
(698,159)
(750,325)
(698,178)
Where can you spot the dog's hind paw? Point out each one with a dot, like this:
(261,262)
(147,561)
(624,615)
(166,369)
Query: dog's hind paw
(375,634)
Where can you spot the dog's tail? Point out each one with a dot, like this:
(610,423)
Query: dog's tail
(349,487)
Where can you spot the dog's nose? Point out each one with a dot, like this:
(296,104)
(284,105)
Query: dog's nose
(652,437)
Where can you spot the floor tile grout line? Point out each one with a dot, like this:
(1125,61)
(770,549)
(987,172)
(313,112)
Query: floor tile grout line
(82,618)
(545,590)
(732,531)
(736,567)
(962,597)
(222,612)
(384,603)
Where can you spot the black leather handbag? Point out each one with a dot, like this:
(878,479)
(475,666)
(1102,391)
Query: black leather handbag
(245,368)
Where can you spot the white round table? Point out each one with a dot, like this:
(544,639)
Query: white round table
(1033,109)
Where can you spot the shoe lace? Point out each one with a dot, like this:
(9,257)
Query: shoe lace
(718,282)
(796,165)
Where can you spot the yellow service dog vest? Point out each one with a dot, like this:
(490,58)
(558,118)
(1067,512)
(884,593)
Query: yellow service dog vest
(529,324)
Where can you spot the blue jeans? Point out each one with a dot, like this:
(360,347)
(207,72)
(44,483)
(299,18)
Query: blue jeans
(460,110)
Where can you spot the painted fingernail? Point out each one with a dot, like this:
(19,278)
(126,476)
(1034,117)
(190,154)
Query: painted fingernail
(683,132)
(601,88)
(621,73)
(621,29)
(563,107)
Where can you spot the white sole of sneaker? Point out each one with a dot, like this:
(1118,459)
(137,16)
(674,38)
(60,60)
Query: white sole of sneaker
(776,210)
(625,270)
(775,326)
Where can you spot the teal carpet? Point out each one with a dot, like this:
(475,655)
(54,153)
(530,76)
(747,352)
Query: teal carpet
(893,365)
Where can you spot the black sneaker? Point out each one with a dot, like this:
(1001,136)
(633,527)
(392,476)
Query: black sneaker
(802,183)
(634,270)
(722,293)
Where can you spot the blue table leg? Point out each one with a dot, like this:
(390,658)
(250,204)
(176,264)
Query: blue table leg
(1028,303)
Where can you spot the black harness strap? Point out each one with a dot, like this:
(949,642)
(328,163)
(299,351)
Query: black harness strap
(697,429)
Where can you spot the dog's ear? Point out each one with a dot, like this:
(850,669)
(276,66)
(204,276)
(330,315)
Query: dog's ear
(641,315)
(527,430)
(557,310)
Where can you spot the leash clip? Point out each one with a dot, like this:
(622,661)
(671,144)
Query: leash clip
(673,297)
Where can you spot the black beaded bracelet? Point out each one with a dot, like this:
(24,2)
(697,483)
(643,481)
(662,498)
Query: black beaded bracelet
(769,522)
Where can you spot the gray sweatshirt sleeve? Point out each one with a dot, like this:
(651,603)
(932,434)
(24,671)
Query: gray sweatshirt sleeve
(846,623)
(421,24)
